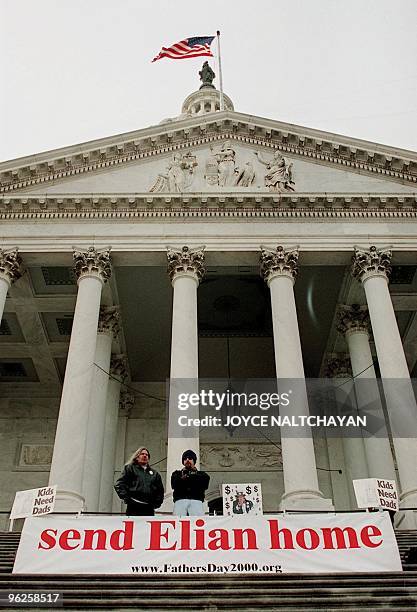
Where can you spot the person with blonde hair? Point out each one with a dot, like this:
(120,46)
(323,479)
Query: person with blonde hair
(139,485)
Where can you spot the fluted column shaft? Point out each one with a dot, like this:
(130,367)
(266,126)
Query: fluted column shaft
(127,401)
(107,329)
(186,269)
(279,268)
(118,373)
(10,271)
(353,446)
(354,324)
(372,268)
(93,269)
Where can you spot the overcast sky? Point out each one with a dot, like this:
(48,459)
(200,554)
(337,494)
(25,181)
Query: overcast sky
(73,71)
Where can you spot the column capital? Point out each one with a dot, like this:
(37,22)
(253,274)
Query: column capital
(118,367)
(10,265)
(186,261)
(92,262)
(126,403)
(337,366)
(371,262)
(353,318)
(108,320)
(279,262)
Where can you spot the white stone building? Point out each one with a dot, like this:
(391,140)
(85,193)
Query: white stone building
(85,291)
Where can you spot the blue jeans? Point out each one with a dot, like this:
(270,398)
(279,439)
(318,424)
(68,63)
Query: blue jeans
(188,507)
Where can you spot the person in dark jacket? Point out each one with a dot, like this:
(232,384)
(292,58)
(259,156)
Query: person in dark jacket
(188,487)
(140,486)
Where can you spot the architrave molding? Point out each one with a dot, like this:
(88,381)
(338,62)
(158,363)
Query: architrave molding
(306,205)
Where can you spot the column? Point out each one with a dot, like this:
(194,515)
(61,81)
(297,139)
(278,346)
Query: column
(372,267)
(127,401)
(92,269)
(353,447)
(118,374)
(186,270)
(279,270)
(354,325)
(10,271)
(108,328)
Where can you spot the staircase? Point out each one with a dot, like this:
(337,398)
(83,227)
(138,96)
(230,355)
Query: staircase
(288,592)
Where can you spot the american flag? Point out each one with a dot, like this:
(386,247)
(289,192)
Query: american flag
(190,47)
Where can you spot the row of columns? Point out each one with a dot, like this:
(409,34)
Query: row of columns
(87,429)
(83,424)
(279,269)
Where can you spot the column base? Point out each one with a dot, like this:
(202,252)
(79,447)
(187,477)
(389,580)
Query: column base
(69,501)
(405,519)
(305,500)
(167,506)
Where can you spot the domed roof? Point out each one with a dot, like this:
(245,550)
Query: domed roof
(205,100)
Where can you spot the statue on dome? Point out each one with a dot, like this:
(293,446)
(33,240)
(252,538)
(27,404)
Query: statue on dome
(279,175)
(207,75)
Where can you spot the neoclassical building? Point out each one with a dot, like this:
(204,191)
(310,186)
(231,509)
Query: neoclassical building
(217,245)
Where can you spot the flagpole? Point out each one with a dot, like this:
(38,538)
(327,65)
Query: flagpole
(220,72)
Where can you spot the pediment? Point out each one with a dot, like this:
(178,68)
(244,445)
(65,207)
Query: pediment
(228,166)
(235,153)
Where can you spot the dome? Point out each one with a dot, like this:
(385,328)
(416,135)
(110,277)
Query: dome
(205,100)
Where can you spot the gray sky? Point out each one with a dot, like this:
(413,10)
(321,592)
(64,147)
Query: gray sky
(78,70)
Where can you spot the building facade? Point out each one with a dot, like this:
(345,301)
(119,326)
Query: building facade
(216,245)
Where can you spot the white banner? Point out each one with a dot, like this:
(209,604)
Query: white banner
(360,542)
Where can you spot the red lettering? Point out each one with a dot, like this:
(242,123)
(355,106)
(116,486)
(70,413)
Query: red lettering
(221,542)
(157,535)
(48,539)
(199,535)
(275,533)
(185,535)
(252,543)
(328,533)
(301,540)
(89,539)
(66,536)
(368,532)
(125,534)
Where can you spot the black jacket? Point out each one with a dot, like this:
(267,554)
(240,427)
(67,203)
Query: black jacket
(142,484)
(189,485)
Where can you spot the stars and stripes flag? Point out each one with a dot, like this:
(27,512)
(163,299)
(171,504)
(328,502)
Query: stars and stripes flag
(189,47)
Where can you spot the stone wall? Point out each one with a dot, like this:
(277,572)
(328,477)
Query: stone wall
(27,431)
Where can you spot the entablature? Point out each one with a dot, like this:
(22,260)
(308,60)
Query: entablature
(208,204)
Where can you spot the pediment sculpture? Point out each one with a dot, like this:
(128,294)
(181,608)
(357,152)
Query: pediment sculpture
(179,174)
(279,172)
(221,168)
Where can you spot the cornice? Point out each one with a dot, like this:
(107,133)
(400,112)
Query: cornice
(356,155)
(209,205)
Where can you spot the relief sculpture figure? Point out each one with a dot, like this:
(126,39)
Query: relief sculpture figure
(178,176)
(279,173)
(245,176)
(225,158)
